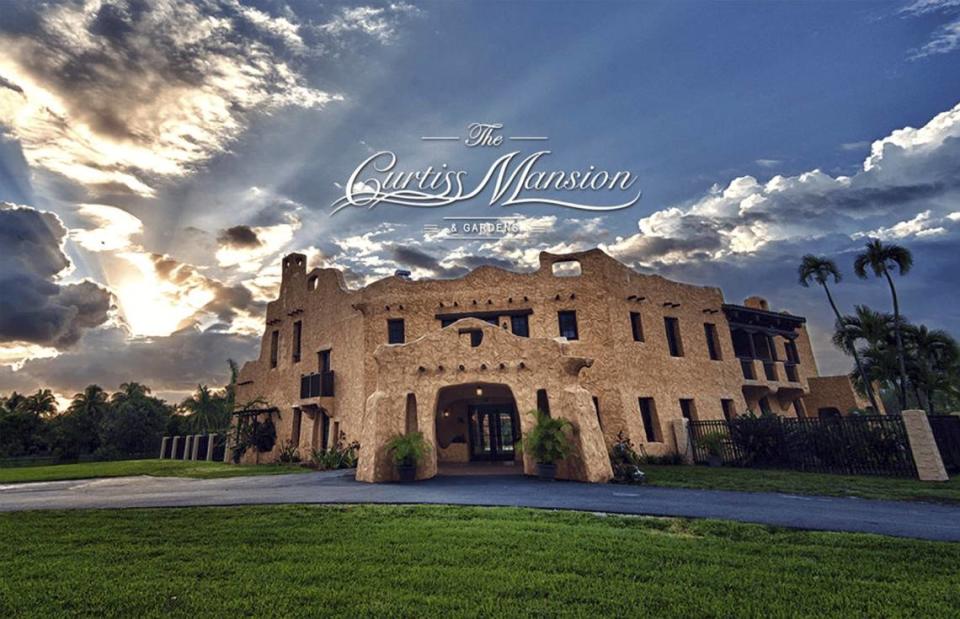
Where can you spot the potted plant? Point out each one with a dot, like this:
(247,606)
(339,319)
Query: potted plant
(712,443)
(547,442)
(407,451)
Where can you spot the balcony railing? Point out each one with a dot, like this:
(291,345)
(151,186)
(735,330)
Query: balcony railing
(747,366)
(317,385)
(770,370)
(791,370)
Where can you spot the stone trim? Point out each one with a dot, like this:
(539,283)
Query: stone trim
(926,455)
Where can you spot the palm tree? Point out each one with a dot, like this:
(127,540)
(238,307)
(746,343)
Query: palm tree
(821,270)
(91,402)
(207,410)
(881,258)
(42,403)
(130,391)
(934,357)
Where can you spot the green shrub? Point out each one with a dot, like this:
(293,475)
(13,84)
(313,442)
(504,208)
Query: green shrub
(340,456)
(408,449)
(547,442)
(712,443)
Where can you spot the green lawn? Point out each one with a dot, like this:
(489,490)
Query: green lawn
(160,468)
(793,482)
(395,561)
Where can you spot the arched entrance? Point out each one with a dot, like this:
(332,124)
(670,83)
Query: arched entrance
(477,429)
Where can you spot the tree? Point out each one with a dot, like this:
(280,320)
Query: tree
(881,258)
(932,362)
(207,410)
(822,270)
(77,431)
(134,422)
(22,430)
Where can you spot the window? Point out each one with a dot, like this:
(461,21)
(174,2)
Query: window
(729,412)
(475,335)
(297,334)
(568,324)
(765,406)
(798,408)
(520,325)
(295,431)
(274,348)
(395,333)
(321,430)
(688,409)
(636,325)
(543,402)
(411,416)
(323,361)
(651,425)
(673,336)
(713,342)
(793,356)
(596,407)
(566,268)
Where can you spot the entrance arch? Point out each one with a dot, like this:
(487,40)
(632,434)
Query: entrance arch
(477,423)
(443,365)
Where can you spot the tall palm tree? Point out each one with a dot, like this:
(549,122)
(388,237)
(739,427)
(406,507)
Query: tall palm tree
(207,410)
(822,270)
(130,391)
(881,259)
(934,356)
(91,402)
(42,403)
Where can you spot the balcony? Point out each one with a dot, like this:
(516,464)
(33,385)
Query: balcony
(316,385)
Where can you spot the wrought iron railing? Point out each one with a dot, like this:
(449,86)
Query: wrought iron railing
(860,445)
(946,433)
(317,385)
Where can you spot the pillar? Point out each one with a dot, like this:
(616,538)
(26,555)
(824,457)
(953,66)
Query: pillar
(681,434)
(187,446)
(196,447)
(175,446)
(923,447)
(163,447)
(211,441)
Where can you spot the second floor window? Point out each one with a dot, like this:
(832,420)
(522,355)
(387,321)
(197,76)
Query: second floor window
(395,331)
(568,324)
(323,361)
(713,342)
(520,325)
(274,348)
(674,343)
(636,325)
(793,356)
(297,337)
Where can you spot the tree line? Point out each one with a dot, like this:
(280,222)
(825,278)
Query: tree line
(127,422)
(902,364)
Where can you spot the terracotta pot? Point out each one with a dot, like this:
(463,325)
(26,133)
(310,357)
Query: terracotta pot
(407,472)
(546,471)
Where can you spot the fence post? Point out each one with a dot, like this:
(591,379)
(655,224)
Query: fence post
(163,446)
(173,449)
(211,439)
(923,446)
(187,446)
(681,434)
(226,447)
(196,447)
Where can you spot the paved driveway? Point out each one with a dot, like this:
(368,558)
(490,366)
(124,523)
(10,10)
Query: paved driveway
(900,518)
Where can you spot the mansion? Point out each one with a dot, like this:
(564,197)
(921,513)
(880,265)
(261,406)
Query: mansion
(465,360)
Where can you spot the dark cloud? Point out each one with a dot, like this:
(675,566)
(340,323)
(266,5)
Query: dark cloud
(239,236)
(36,308)
(413,258)
(108,357)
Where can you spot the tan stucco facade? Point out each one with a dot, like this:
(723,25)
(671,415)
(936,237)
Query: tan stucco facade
(617,371)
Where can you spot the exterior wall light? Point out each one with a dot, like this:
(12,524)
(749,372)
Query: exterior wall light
(479,392)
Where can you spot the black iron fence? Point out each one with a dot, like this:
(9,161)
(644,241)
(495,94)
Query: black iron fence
(946,432)
(859,445)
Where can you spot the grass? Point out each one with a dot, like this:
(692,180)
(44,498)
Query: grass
(794,482)
(394,561)
(159,468)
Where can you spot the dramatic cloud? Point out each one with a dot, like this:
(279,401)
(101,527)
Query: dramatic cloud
(37,308)
(239,236)
(119,95)
(378,22)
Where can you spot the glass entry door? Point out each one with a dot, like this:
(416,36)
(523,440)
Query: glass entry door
(493,432)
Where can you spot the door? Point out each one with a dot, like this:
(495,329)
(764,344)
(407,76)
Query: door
(493,432)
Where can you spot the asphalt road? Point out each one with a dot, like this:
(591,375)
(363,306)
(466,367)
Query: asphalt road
(898,518)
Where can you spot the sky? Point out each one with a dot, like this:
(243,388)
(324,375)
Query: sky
(157,159)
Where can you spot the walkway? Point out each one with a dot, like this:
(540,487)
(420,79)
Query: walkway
(905,519)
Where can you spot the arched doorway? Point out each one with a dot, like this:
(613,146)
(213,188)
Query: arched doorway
(477,429)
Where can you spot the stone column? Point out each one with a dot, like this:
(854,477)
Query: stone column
(196,447)
(187,446)
(175,446)
(163,446)
(211,441)
(681,434)
(923,447)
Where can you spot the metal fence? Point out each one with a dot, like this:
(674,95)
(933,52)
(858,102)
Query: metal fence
(859,445)
(946,432)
